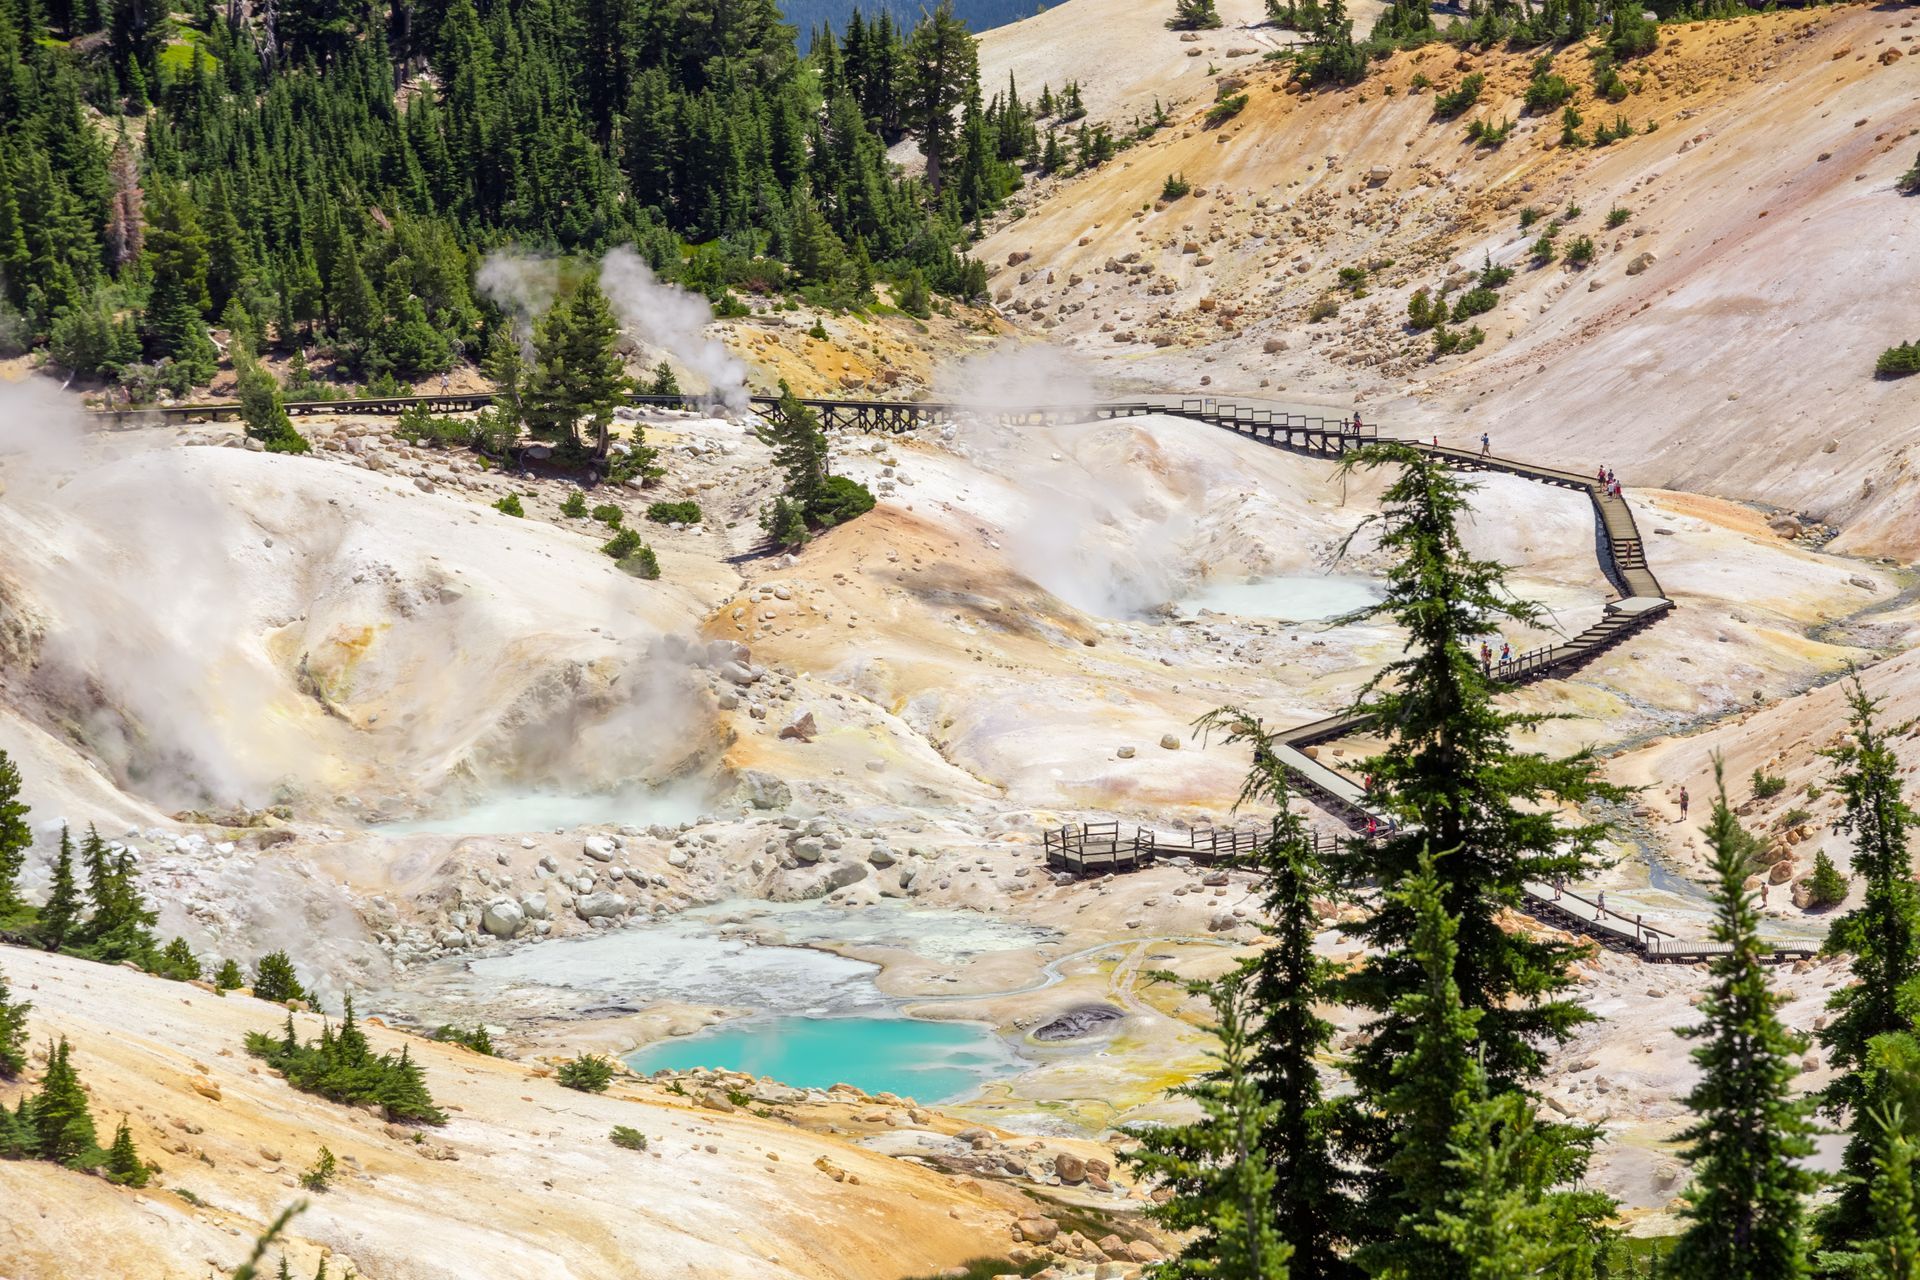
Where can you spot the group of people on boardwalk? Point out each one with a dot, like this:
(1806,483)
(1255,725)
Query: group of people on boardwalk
(1487,659)
(1609,482)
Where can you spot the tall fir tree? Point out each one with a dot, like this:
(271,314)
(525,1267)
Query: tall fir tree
(1218,1167)
(16,837)
(123,1165)
(1746,1209)
(943,69)
(800,451)
(1889,1247)
(60,917)
(1881,938)
(62,1122)
(1312,1202)
(13,1033)
(576,379)
(1454,781)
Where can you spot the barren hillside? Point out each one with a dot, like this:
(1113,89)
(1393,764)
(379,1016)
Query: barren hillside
(1722,340)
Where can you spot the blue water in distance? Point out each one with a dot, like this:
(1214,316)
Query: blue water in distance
(925,1061)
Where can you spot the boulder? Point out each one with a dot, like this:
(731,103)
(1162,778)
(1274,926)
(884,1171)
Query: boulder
(1071,1168)
(1169,742)
(764,791)
(503,919)
(1036,1230)
(534,906)
(1640,262)
(880,856)
(599,848)
(600,906)
(802,730)
(809,849)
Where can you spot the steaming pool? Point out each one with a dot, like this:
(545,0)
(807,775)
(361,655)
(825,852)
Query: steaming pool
(1306,597)
(517,812)
(926,1061)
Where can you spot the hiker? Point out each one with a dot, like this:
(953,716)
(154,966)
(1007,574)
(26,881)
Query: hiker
(1683,804)
(444,384)
(1557,882)
(1486,444)
(1436,439)
(1600,899)
(1603,477)
(1486,658)
(1506,653)
(1373,826)
(1356,422)
(1763,895)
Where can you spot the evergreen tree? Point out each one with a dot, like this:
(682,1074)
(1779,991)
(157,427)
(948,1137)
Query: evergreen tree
(1889,1248)
(274,980)
(120,927)
(123,1165)
(799,449)
(1882,939)
(178,303)
(13,1034)
(1311,1195)
(62,1122)
(1194,15)
(576,380)
(61,916)
(228,977)
(178,962)
(1453,781)
(262,410)
(664,382)
(15,838)
(1747,1205)
(1219,1167)
(943,70)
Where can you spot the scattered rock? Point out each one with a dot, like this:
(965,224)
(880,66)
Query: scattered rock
(802,730)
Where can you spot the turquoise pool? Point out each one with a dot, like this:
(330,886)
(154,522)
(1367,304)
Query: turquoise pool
(926,1061)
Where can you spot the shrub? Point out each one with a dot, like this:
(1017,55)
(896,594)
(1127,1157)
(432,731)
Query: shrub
(342,1067)
(1547,91)
(589,1073)
(674,513)
(1193,15)
(319,1176)
(1826,885)
(608,514)
(1448,342)
(1529,216)
(123,1166)
(1448,105)
(840,500)
(575,505)
(1544,250)
(626,1136)
(1898,362)
(1323,309)
(1488,134)
(1580,251)
(1569,213)
(1794,817)
(1633,33)
(663,383)
(510,506)
(621,545)
(1476,301)
(1226,109)
(1174,187)
(1492,277)
(1606,79)
(178,962)
(1354,279)
(818,333)
(1607,134)
(1570,122)
(784,522)
(1617,216)
(417,426)
(1423,312)
(913,297)
(478,1039)
(229,977)
(274,979)
(641,563)
(1767,785)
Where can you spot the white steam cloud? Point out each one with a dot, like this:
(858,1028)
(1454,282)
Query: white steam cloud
(521,284)
(668,317)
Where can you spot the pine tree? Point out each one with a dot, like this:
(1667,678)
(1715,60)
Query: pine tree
(15,838)
(13,1033)
(1882,938)
(274,980)
(123,1166)
(178,962)
(228,977)
(262,410)
(61,916)
(177,305)
(1453,781)
(799,449)
(1747,1204)
(1194,15)
(1218,1167)
(576,379)
(1311,1197)
(63,1129)
(943,69)
(1889,1247)
(664,382)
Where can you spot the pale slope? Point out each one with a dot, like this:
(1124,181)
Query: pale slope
(521,1182)
(1738,361)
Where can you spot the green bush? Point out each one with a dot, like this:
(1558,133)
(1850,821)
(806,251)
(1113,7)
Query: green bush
(1476,301)
(1793,818)
(1608,134)
(1767,785)
(178,962)
(626,1136)
(1570,122)
(417,426)
(1354,279)
(342,1066)
(1226,109)
(1174,187)
(1547,91)
(319,1176)
(1492,277)
(1323,309)
(1580,251)
(1447,342)
(274,979)
(1423,312)
(1826,885)
(609,515)
(1488,134)
(642,563)
(784,522)
(621,545)
(575,505)
(510,506)
(1448,105)
(840,500)
(1544,250)
(478,1039)
(1633,33)
(1529,216)
(1898,362)
(1617,216)
(674,513)
(229,977)
(589,1073)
